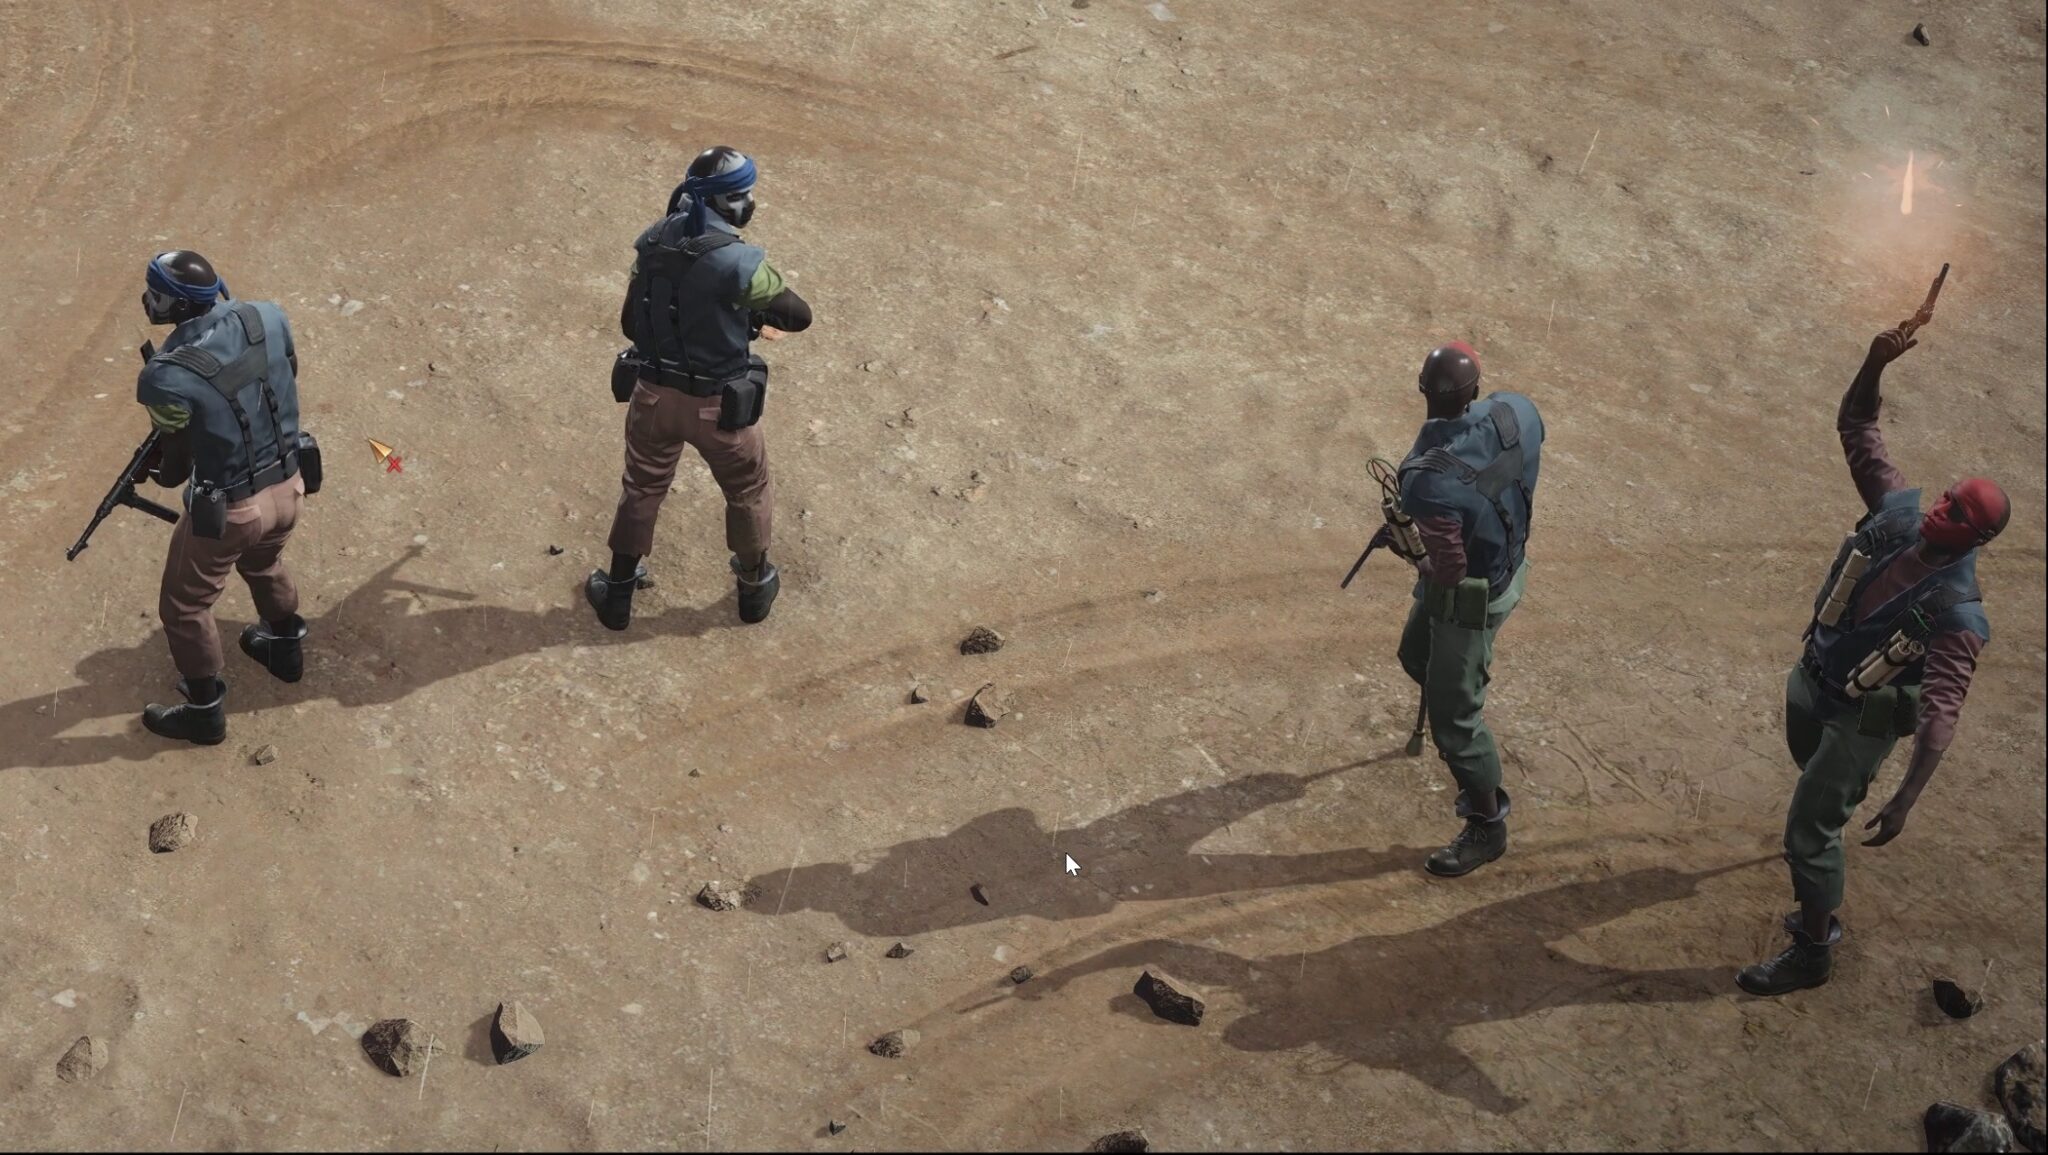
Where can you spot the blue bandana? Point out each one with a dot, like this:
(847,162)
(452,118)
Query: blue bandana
(698,188)
(162,281)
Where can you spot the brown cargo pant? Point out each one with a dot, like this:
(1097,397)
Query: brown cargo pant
(659,422)
(197,571)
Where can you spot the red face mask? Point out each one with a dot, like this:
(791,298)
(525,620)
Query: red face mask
(1970,514)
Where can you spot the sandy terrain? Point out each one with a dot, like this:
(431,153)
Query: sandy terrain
(1161,275)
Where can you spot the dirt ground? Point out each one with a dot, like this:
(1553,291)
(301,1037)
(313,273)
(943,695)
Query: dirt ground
(1155,280)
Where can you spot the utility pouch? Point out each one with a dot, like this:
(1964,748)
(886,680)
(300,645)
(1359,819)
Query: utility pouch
(1468,603)
(741,400)
(209,513)
(1878,717)
(626,374)
(1906,718)
(309,462)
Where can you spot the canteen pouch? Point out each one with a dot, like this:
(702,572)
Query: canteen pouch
(741,400)
(309,462)
(1468,603)
(1890,712)
(625,375)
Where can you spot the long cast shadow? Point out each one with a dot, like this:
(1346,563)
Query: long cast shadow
(373,647)
(1395,1001)
(1144,853)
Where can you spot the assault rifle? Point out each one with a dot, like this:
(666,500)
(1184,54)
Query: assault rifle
(123,492)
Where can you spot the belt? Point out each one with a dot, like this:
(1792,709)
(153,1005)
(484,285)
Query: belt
(693,384)
(283,469)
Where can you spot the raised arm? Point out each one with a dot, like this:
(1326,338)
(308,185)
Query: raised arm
(1856,421)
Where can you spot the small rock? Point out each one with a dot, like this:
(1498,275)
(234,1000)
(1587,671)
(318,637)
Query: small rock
(515,1033)
(696,773)
(987,707)
(398,1046)
(899,951)
(868,366)
(981,640)
(1154,595)
(1132,1140)
(1954,1001)
(2022,1085)
(1020,975)
(172,832)
(644,582)
(893,1044)
(725,828)
(910,418)
(1955,1128)
(1169,998)
(980,895)
(554,551)
(264,755)
(1920,35)
(351,308)
(721,896)
(86,1058)
(436,367)
(919,695)
(835,952)
(834,1127)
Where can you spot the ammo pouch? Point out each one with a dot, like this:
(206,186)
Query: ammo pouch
(626,374)
(741,399)
(309,462)
(1462,605)
(209,512)
(1889,712)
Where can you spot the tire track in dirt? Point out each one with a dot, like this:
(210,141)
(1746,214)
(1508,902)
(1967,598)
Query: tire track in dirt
(116,43)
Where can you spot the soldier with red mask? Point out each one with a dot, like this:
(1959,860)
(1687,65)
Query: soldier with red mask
(1896,631)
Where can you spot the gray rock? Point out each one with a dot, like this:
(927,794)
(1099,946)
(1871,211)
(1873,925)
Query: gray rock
(1951,1127)
(900,950)
(919,695)
(1020,975)
(1131,1140)
(981,640)
(718,895)
(1920,35)
(835,952)
(979,892)
(399,1046)
(515,1033)
(1169,998)
(834,1127)
(264,755)
(893,1044)
(987,707)
(172,832)
(86,1058)
(2022,1084)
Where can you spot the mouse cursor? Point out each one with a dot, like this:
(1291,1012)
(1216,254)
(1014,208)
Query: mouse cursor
(386,457)
(1072,866)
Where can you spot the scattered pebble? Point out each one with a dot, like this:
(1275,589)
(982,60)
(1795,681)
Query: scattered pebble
(1954,1001)
(515,1033)
(919,695)
(398,1046)
(554,551)
(1121,1141)
(981,640)
(696,773)
(900,951)
(725,828)
(893,1044)
(834,1126)
(980,895)
(172,832)
(264,755)
(987,707)
(86,1058)
(835,952)
(1020,975)
(1920,35)
(1169,998)
(1952,1127)
(721,896)
(644,582)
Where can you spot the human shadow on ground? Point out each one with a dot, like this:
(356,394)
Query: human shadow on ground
(1396,1001)
(373,647)
(1144,853)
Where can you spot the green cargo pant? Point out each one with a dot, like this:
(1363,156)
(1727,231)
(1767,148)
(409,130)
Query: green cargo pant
(1837,763)
(1451,663)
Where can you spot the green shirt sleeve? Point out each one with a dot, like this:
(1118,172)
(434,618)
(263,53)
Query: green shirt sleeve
(169,418)
(765,286)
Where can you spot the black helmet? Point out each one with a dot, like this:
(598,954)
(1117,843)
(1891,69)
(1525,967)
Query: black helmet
(737,206)
(181,285)
(1449,370)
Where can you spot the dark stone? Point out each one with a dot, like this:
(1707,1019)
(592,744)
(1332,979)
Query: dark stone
(554,551)
(980,895)
(1956,1128)
(981,640)
(1132,1140)
(515,1033)
(722,896)
(899,951)
(2022,1085)
(1920,35)
(919,695)
(398,1046)
(834,1127)
(1020,975)
(987,707)
(1954,1001)
(893,1044)
(1169,998)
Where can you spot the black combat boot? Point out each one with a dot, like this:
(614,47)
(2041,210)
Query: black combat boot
(278,649)
(612,598)
(201,723)
(1482,840)
(758,588)
(1805,963)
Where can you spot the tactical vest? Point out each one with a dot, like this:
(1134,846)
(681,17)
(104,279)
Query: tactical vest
(1479,468)
(1944,601)
(233,376)
(684,307)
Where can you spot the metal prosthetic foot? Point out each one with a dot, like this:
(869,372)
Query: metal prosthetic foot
(757,589)
(280,653)
(1482,841)
(201,723)
(613,600)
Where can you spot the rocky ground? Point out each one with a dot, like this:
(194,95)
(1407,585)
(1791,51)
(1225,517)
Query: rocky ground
(1115,300)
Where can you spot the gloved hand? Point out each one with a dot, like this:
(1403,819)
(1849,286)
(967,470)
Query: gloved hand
(1891,344)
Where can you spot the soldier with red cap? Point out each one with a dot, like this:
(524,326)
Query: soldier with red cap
(1897,627)
(1468,484)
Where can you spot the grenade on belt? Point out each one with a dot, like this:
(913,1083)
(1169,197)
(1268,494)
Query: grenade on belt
(1845,587)
(1884,664)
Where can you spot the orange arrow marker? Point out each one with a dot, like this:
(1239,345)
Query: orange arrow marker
(386,456)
